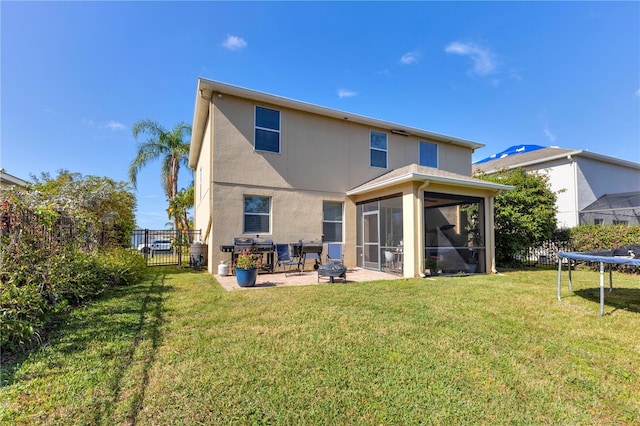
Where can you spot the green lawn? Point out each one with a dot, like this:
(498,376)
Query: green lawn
(498,349)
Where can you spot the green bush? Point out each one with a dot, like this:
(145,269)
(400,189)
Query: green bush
(22,314)
(600,238)
(123,266)
(586,238)
(524,216)
(35,288)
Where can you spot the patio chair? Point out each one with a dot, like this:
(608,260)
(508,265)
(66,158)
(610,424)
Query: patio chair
(286,260)
(334,252)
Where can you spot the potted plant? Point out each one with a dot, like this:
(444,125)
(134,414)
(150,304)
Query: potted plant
(431,266)
(247,265)
(388,254)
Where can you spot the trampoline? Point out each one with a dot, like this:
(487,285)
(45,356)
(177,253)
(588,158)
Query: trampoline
(602,257)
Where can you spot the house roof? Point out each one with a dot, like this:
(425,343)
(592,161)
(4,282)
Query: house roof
(7,179)
(619,201)
(545,155)
(208,89)
(414,172)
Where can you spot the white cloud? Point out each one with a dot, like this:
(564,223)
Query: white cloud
(114,125)
(344,93)
(410,58)
(638,92)
(548,134)
(234,43)
(483,61)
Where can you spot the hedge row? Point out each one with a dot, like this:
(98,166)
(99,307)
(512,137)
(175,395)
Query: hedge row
(601,238)
(37,284)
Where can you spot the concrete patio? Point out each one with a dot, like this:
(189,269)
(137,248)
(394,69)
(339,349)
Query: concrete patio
(308,277)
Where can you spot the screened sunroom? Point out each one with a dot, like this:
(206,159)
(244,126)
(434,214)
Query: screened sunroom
(421,221)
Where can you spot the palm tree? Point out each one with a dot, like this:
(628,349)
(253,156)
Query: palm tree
(168,146)
(179,207)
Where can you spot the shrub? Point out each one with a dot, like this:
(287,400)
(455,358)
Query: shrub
(524,216)
(605,238)
(22,314)
(598,238)
(35,288)
(123,266)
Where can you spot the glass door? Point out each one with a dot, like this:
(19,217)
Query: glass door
(371,233)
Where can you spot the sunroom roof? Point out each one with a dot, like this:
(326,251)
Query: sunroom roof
(415,172)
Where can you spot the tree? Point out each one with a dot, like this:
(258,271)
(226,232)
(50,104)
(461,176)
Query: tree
(179,207)
(107,204)
(167,146)
(525,216)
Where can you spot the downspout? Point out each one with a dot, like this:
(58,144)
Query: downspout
(420,190)
(210,183)
(574,169)
(491,228)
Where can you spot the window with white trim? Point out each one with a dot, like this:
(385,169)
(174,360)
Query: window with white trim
(267,130)
(257,214)
(428,154)
(331,221)
(378,149)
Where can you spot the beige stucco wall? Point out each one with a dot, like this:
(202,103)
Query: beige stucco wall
(317,153)
(320,160)
(202,193)
(295,215)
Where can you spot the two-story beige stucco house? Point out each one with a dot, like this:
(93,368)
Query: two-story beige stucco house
(289,170)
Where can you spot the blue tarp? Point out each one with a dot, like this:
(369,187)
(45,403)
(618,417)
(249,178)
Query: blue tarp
(517,149)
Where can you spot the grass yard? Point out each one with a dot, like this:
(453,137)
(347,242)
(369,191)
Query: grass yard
(499,349)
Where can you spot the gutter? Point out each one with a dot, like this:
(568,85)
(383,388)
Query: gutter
(215,88)
(430,178)
(568,156)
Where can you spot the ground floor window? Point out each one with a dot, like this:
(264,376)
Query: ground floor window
(257,214)
(331,221)
(454,234)
(379,230)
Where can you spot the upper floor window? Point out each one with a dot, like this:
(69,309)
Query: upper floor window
(332,222)
(267,132)
(257,214)
(378,149)
(428,152)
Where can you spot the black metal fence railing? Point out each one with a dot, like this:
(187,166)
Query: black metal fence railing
(166,246)
(545,254)
(17,223)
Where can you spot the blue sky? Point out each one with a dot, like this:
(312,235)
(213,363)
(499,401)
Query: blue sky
(76,75)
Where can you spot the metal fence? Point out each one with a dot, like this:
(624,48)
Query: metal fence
(165,246)
(546,254)
(19,223)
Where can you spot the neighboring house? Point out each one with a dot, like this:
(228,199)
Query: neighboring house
(7,181)
(289,170)
(591,188)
